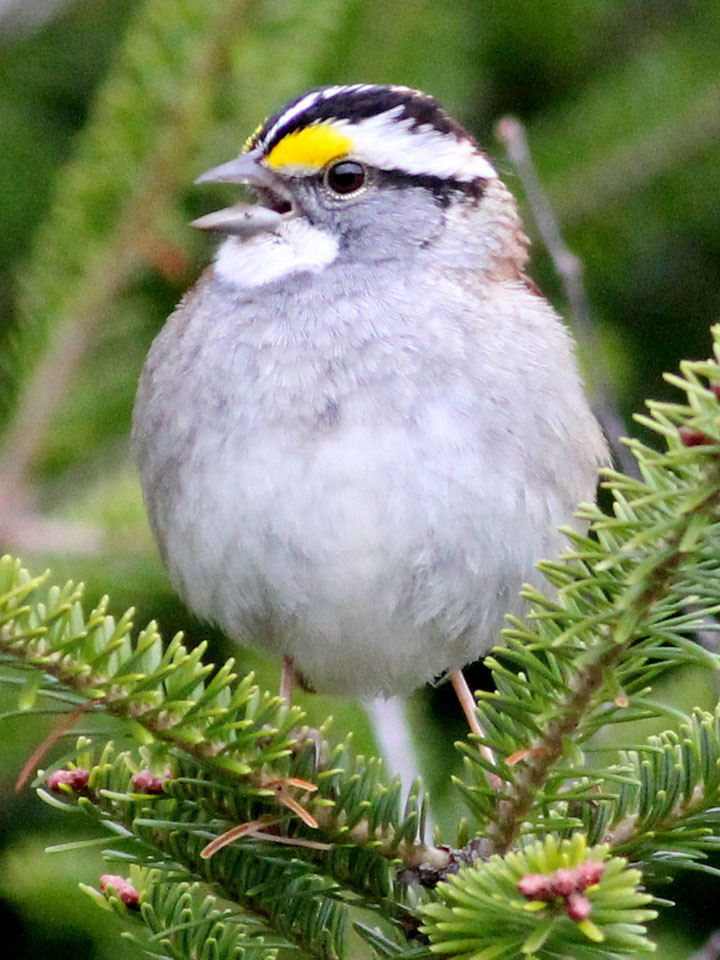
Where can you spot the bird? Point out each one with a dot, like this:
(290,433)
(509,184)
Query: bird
(361,428)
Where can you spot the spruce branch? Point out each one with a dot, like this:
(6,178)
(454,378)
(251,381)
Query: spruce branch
(631,609)
(287,895)
(630,596)
(545,907)
(182,919)
(545,752)
(663,808)
(244,738)
(299,888)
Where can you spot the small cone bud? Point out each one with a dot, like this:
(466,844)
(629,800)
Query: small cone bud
(535,886)
(578,906)
(122,887)
(146,782)
(63,780)
(563,882)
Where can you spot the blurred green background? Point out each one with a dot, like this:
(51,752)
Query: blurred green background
(110,108)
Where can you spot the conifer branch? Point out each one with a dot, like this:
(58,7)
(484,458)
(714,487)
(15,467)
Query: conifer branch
(663,808)
(629,601)
(634,607)
(227,727)
(513,809)
(181,919)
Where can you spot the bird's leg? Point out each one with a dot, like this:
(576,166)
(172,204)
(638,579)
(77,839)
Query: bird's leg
(467,702)
(287,680)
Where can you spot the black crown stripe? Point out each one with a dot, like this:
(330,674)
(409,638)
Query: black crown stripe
(358,103)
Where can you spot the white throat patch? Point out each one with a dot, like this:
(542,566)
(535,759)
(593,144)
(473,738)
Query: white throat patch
(296,247)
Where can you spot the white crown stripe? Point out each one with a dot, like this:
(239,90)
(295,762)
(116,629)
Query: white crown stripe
(383,142)
(307,101)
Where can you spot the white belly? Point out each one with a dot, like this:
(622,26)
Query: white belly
(375,563)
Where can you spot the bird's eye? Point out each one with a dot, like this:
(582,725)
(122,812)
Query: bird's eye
(345,177)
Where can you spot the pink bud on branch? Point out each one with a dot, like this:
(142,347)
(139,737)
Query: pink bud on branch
(122,887)
(566,883)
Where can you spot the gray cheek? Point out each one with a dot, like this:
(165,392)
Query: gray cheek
(380,226)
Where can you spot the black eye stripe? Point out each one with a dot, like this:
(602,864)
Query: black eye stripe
(443,189)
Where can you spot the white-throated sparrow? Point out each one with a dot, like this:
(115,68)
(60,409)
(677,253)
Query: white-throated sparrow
(363,425)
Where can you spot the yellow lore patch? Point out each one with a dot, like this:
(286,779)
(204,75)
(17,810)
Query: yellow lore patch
(310,148)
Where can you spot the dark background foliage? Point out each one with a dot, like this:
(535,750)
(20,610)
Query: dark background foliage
(621,99)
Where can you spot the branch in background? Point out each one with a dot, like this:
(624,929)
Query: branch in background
(569,268)
(134,175)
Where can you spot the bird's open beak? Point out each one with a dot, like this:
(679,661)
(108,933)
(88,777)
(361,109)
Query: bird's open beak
(243,219)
